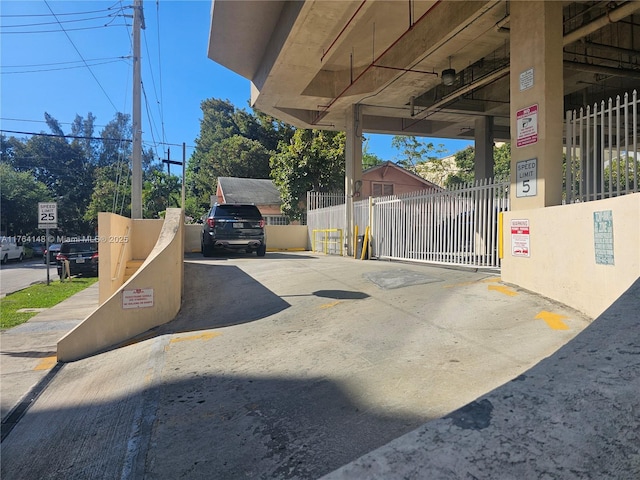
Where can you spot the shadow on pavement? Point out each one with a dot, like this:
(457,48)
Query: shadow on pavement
(218,296)
(197,427)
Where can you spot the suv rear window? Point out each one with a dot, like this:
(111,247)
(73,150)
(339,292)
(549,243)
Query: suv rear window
(240,211)
(78,247)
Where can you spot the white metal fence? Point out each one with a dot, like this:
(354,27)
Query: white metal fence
(453,227)
(602,150)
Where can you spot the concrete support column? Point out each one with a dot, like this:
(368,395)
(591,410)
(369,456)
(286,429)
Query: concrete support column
(484,148)
(536,104)
(353,172)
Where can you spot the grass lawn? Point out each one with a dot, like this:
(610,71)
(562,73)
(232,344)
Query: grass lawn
(38,296)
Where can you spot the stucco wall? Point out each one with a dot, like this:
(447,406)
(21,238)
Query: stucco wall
(279,237)
(287,237)
(122,239)
(161,276)
(562,263)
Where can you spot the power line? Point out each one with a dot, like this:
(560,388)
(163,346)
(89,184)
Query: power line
(29,15)
(21,25)
(4,32)
(65,136)
(160,71)
(63,63)
(63,68)
(78,51)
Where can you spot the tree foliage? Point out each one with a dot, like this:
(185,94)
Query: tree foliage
(83,176)
(232,143)
(19,197)
(465,163)
(414,151)
(314,160)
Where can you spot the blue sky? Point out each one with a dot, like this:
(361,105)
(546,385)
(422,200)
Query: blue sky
(71,63)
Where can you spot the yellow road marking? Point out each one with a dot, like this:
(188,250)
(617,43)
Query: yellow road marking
(503,289)
(329,305)
(475,282)
(202,336)
(554,320)
(47,363)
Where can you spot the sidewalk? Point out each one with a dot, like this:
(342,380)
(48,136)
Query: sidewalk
(28,351)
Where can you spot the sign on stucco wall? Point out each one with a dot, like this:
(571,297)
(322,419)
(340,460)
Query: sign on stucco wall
(520,239)
(137,298)
(603,237)
(526,80)
(527,178)
(527,126)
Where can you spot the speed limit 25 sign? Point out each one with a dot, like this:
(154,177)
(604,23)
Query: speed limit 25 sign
(527,178)
(47,215)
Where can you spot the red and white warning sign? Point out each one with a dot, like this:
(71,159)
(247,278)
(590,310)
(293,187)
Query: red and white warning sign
(137,298)
(520,239)
(527,126)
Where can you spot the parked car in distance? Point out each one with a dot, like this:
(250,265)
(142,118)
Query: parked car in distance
(82,258)
(51,253)
(11,250)
(37,248)
(234,227)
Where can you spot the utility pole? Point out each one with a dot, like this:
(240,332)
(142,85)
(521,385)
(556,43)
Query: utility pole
(136,160)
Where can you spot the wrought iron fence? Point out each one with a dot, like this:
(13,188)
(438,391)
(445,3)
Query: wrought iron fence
(602,158)
(454,227)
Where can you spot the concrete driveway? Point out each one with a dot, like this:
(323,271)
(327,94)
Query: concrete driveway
(288,366)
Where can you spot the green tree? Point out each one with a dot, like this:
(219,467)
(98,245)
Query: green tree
(63,167)
(234,143)
(414,152)
(111,192)
(160,192)
(465,163)
(312,161)
(369,159)
(19,196)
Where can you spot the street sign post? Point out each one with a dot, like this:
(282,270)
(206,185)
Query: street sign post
(47,218)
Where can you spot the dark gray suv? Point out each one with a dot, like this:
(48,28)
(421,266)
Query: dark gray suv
(233,227)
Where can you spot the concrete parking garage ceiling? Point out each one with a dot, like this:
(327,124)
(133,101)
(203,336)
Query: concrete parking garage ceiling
(310,61)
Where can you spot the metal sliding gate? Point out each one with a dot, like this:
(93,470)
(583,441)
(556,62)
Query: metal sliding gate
(452,227)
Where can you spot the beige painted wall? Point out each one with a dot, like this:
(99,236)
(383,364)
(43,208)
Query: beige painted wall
(111,324)
(279,237)
(192,235)
(287,237)
(122,239)
(562,264)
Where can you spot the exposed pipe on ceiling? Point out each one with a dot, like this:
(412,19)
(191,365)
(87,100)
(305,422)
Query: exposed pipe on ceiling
(613,16)
(324,53)
(326,108)
(617,72)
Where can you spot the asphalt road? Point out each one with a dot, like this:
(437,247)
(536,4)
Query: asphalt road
(15,276)
(285,367)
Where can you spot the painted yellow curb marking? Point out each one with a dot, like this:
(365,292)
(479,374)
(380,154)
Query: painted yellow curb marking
(503,289)
(554,320)
(329,305)
(201,336)
(47,363)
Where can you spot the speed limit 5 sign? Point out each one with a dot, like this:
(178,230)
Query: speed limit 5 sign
(527,178)
(47,215)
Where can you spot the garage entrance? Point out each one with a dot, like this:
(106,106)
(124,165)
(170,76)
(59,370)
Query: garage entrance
(457,227)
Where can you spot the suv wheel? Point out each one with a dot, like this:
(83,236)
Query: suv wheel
(262,250)
(207,250)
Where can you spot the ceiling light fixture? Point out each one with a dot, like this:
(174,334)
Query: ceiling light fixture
(448,75)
